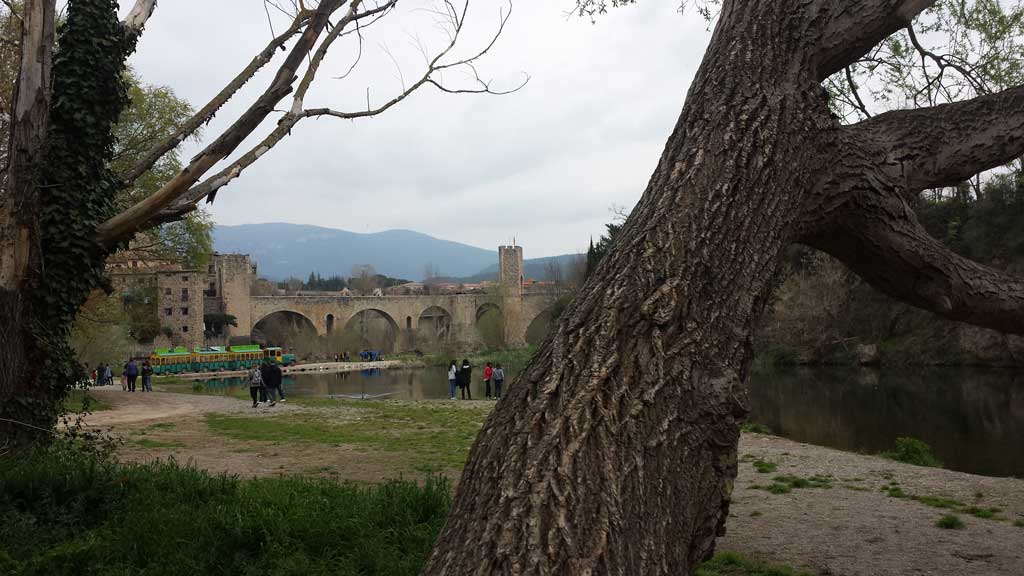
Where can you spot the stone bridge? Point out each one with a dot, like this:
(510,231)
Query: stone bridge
(459,312)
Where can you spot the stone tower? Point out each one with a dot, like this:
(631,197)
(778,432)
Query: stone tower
(510,284)
(510,270)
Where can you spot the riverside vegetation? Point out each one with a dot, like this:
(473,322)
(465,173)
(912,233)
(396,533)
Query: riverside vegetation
(70,510)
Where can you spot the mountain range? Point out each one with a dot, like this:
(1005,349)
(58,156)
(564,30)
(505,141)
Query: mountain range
(294,250)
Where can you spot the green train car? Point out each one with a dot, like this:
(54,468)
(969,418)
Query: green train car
(215,359)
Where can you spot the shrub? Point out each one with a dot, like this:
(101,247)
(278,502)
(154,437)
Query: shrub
(913,451)
(950,522)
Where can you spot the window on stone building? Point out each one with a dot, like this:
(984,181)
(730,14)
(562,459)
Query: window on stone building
(167,291)
(167,311)
(184,294)
(184,328)
(184,311)
(184,278)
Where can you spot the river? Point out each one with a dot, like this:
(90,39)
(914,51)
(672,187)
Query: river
(972,418)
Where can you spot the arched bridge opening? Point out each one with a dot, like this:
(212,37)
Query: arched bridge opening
(288,329)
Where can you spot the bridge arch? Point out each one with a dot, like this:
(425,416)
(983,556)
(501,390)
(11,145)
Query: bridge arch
(282,327)
(490,324)
(373,328)
(434,326)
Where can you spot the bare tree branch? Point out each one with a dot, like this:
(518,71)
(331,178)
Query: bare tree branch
(852,31)
(946,144)
(139,14)
(881,240)
(129,221)
(207,112)
(187,202)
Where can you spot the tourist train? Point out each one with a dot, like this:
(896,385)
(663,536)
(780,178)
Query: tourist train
(215,358)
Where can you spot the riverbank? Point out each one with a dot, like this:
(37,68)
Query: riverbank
(296,369)
(814,508)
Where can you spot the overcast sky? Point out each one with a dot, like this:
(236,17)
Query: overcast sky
(543,164)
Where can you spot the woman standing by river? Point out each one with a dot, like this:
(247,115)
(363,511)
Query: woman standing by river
(453,372)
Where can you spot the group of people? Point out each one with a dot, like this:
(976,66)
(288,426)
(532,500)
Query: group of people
(462,377)
(104,376)
(265,384)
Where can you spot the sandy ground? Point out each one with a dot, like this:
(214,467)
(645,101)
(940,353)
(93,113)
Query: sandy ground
(851,529)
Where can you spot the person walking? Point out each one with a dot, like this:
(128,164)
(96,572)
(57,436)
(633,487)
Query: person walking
(466,380)
(131,373)
(277,381)
(100,375)
(255,384)
(488,372)
(267,392)
(499,379)
(108,375)
(147,377)
(453,372)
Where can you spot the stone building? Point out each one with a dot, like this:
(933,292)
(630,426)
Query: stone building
(229,284)
(184,296)
(176,293)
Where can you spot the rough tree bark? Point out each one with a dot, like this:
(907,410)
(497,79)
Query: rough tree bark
(615,451)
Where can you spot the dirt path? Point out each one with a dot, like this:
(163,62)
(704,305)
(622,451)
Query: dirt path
(852,528)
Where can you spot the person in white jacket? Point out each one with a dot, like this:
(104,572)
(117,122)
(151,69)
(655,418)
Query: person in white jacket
(452,373)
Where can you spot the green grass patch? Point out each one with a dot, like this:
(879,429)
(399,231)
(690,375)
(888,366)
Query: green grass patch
(764,466)
(429,437)
(150,443)
(946,503)
(732,564)
(950,522)
(75,403)
(1019,523)
(754,428)
(912,451)
(756,514)
(69,512)
(787,483)
(162,426)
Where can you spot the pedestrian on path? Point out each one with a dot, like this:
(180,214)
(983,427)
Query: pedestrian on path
(499,379)
(453,372)
(131,373)
(147,377)
(255,384)
(465,380)
(269,391)
(108,375)
(488,372)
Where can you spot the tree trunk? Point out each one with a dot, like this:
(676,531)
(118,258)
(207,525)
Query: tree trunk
(20,259)
(615,451)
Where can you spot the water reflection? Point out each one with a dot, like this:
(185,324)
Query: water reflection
(973,418)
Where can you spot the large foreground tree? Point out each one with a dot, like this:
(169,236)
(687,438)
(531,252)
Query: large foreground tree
(615,451)
(69,199)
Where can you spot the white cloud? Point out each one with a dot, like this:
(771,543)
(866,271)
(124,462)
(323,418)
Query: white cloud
(543,164)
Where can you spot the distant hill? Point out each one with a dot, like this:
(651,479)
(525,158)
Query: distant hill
(285,250)
(535,268)
(294,250)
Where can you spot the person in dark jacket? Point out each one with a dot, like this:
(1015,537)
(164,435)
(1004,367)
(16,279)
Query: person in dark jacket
(131,372)
(267,390)
(277,382)
(465,380)
(147,377)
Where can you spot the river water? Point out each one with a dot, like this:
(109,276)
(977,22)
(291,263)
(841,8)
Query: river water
(972,418)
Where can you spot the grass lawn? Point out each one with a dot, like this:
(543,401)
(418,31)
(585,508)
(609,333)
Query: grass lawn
(69,512)
(75,402)
(426,437)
